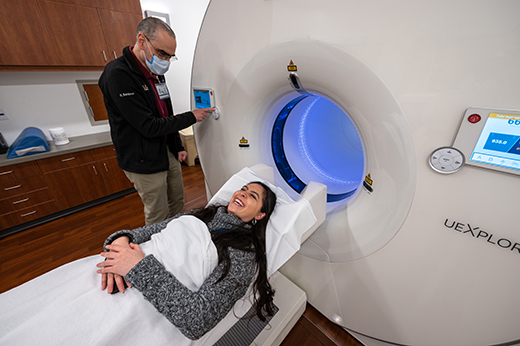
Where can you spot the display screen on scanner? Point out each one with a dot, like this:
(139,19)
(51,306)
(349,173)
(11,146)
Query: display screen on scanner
(202,98)
(499,141)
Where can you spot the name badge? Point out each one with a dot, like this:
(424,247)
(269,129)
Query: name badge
(162,91)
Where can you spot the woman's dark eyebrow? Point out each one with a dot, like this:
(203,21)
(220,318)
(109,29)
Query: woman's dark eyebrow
(247,188)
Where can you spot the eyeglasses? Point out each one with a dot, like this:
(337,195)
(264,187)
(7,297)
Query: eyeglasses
(161,53)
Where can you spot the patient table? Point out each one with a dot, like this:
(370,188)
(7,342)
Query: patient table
(66,305)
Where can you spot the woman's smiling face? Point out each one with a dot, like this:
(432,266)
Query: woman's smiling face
(246,203)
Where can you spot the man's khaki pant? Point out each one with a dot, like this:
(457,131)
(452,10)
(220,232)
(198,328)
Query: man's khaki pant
(162,193)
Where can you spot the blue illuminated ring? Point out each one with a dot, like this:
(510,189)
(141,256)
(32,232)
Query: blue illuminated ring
(281,160)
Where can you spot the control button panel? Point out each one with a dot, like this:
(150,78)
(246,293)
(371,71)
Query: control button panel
(490,138)
(446,160)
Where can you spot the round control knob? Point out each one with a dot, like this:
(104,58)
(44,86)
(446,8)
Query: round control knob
(215,113)
(446,160)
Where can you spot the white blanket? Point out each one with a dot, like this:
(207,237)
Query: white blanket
(67,307)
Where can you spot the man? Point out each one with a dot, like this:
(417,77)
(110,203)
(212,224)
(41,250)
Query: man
(142,125)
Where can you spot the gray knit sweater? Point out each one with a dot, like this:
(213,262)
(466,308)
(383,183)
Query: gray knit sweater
(194,313)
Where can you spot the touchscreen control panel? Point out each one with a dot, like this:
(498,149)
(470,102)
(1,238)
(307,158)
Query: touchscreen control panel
(205,98)
(490,138)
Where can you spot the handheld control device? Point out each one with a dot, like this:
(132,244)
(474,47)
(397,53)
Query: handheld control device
(205,98)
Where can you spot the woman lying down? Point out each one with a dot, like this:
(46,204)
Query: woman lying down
(190,279)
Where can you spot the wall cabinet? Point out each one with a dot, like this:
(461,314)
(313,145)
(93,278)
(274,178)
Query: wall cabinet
(24,39)
(130,6)
(119,29)
(38,188)
(76,33)
(72,33)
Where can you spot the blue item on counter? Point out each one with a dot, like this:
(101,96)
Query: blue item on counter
(30,141)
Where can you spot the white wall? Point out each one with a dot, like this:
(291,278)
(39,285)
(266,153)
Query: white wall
(50,99)
(44,100)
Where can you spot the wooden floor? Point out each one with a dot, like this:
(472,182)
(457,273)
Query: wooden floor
(28,254)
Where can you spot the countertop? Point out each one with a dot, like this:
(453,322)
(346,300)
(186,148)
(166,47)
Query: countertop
(76,144)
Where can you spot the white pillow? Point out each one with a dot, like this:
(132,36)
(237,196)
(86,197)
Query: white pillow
(289,221)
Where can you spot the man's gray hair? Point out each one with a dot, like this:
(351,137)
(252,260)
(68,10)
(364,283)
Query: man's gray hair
(150,25)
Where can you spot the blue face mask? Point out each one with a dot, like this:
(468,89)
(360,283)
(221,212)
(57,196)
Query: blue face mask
(157,65)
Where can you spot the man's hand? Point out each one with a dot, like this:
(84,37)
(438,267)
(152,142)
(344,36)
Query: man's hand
(182,155)
(201,113)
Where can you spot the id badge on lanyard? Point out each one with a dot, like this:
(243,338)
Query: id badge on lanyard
(162,91)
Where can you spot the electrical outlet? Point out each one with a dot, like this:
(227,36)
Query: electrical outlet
(3,116)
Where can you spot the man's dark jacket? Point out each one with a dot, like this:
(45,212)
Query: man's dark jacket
(140,135)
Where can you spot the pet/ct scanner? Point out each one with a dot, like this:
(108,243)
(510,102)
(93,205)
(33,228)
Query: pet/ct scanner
(359,96)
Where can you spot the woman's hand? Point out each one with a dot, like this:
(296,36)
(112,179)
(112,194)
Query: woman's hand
(108,280)
(119,260)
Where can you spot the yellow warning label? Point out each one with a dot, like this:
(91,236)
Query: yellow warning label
(243,140)
(367,184)
(292,67)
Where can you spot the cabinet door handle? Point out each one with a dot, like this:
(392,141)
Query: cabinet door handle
(32,212)
(21,201)
(6,172)
(104,56)
(106,169)
(115,55)
(95,171)
(69,159)
(12,187)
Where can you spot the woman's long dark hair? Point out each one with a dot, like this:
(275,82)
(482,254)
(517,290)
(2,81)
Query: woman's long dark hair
(251,240)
